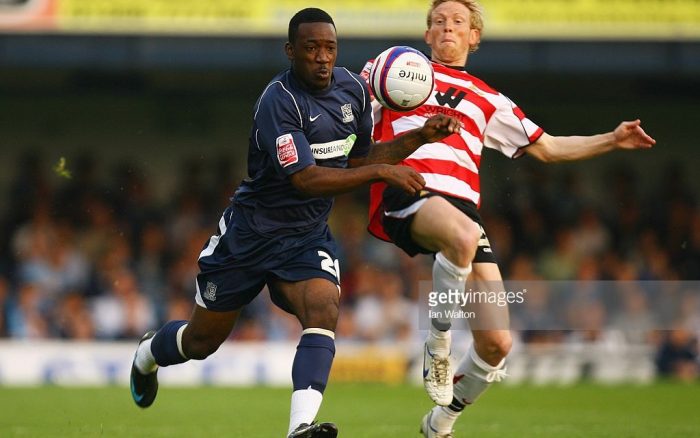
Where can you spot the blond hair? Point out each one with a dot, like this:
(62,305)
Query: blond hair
(476,20)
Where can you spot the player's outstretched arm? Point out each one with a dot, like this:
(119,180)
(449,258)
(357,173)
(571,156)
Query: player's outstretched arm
(628,135)
(315,181)
(391,152)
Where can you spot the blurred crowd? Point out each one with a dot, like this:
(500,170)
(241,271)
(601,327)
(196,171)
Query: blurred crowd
(99,256)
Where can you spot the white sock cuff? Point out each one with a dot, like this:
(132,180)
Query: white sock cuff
(459,272)
(481,363)
(308,392)
(178,338)
(318,331)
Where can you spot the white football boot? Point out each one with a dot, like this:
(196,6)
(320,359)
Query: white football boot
(437,377)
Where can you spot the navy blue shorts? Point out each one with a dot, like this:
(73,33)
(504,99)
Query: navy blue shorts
(236,262)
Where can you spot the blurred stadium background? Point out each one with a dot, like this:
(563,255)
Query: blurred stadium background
(149,105)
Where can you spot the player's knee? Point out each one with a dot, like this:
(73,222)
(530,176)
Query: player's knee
(323,314)
(495,348)
(504,345)
(463,243)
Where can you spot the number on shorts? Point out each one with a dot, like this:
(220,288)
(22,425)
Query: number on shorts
(329,264)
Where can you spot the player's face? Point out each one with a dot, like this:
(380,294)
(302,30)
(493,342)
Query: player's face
(313,54)
(450,34)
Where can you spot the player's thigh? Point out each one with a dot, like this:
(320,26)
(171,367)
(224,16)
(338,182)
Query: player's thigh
(207,329)
(491,321)
(314,301)
(439,225)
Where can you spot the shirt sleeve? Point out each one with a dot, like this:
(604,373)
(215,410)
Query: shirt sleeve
(509,131)
(376,106)
(278,131)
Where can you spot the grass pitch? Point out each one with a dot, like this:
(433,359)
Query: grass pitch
(361,411)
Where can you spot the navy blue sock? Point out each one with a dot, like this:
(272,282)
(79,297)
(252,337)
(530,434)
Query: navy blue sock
(164,344)
(313,361)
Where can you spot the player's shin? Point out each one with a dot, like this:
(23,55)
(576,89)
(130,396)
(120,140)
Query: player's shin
(312,365)
(166,345)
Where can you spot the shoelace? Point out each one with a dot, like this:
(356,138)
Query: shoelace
(496,376)
(440,370)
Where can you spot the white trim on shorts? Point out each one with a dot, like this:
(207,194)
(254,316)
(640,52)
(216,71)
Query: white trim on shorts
(406,212)
(198,296)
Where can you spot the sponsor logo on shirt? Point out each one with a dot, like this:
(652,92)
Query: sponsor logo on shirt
(286,150)
(333,149)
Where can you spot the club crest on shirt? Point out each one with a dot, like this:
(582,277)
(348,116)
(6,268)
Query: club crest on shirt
(210,291)
(347,113)
(286,150)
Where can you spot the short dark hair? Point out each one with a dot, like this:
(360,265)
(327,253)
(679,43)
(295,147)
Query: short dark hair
(308,15)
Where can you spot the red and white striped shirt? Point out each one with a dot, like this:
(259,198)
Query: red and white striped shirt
(451,166)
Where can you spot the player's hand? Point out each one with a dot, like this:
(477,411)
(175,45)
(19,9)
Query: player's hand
(438,127)
(630,135)
(404,177)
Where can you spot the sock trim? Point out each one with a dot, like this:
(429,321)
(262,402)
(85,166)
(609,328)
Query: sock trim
(442,327)
(178,339)
(459,272)
(318,331)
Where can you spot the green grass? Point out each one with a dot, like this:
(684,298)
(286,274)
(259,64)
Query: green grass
(361,411)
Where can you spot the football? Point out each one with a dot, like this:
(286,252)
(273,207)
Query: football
(401,78)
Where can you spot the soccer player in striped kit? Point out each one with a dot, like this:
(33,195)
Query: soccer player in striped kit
(311,139)
(443,219)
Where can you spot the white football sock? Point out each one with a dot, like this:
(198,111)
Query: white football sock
(305,406)
(439,342)
(443,419)
(447,276)
(144,361)
(478,376)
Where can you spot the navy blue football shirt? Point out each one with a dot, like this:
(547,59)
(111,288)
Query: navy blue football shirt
(294,127)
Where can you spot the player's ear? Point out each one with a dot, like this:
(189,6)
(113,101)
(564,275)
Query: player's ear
(289,50)
(474,37)
(426,37)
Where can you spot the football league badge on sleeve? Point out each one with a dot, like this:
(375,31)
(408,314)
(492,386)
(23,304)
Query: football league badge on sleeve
(286,150)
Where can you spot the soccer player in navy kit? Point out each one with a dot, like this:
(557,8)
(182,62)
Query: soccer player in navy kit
(311,139)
